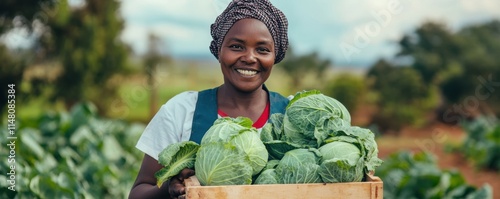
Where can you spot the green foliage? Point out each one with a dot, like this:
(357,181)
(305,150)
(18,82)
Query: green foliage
(482,143)
(174,158)
(11,72)
(27,11)
(296,66)
(408,175)
(85,40)
(457,61)
(348,89)
(16,61)
(74,155)
(402,95)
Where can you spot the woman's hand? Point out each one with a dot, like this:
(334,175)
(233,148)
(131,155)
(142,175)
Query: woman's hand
(176,187)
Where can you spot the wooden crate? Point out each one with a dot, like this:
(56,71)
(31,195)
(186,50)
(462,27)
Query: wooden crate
(372,188)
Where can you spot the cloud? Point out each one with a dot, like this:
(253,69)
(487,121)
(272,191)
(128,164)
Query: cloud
(314,25)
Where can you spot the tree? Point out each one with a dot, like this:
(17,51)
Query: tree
(17,15)
(297,66)
(348,89)
(458,62)
(402,94)
(432,47)
(86,41)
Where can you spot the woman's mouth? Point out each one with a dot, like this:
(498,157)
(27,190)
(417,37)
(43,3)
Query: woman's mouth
(247,72)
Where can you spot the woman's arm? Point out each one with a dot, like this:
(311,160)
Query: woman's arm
(145,184)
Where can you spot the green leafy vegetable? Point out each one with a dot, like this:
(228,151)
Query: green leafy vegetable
(220,163)
(299,166)
(249,142)
(224,129)
(176,157)
(416,175)
(309,117)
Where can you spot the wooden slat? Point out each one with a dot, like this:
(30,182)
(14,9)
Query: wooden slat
(371,189)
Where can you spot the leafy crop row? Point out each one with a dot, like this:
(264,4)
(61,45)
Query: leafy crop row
(74,154)
(409,175)
(482,144)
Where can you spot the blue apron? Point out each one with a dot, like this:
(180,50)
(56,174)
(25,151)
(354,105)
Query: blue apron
(205,112)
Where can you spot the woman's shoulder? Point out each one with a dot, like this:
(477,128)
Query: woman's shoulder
(183,98)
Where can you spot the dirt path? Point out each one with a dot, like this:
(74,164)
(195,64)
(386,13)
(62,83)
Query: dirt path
(435,139)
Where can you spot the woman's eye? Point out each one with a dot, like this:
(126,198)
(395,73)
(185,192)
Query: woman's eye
(263,50)
(234,46)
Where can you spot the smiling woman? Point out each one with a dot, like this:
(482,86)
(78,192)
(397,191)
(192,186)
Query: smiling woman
(249,37)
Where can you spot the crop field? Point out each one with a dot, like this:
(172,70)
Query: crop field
(44,121)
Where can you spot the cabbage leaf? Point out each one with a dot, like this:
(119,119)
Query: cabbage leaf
(174,158)
(299,166)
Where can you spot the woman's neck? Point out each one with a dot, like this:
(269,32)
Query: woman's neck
(237,103)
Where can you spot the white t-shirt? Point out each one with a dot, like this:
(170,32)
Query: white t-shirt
(171,124)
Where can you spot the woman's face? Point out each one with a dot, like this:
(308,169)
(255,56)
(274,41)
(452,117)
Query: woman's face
(247,55)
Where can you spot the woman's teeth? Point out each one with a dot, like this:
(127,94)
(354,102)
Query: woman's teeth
(247,72)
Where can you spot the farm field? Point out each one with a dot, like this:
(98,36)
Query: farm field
(435,138)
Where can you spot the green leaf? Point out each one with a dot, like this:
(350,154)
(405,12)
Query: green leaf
(302,94)
(176,157)
(267,176)
(278,148)
(299,166)
(341,170)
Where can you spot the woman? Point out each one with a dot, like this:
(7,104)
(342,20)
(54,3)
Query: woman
(249,37)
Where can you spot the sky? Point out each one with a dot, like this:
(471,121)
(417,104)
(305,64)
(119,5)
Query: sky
(351,33)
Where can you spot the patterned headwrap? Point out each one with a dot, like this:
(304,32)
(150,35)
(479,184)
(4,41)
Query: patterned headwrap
(261,10)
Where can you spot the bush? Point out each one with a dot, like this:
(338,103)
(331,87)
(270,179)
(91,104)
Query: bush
(348,89)
(74,155)
(482,144)
(403,97)
(408,175)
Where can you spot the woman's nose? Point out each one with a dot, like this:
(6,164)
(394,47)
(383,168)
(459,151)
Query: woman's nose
(249,57)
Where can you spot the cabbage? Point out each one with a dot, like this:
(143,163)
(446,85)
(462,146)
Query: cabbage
(341,162)
(341,150)
(267,176)
(315,142)
(254,150)
(230,153)
(348,154)
(220,163)
(299,166)
(226,128)
(310,116)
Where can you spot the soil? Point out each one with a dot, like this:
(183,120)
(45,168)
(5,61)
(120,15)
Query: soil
(436,137)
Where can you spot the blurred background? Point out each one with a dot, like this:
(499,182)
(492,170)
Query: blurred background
(89,75)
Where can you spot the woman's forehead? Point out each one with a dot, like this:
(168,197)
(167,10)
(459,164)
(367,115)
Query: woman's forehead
(249,28)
